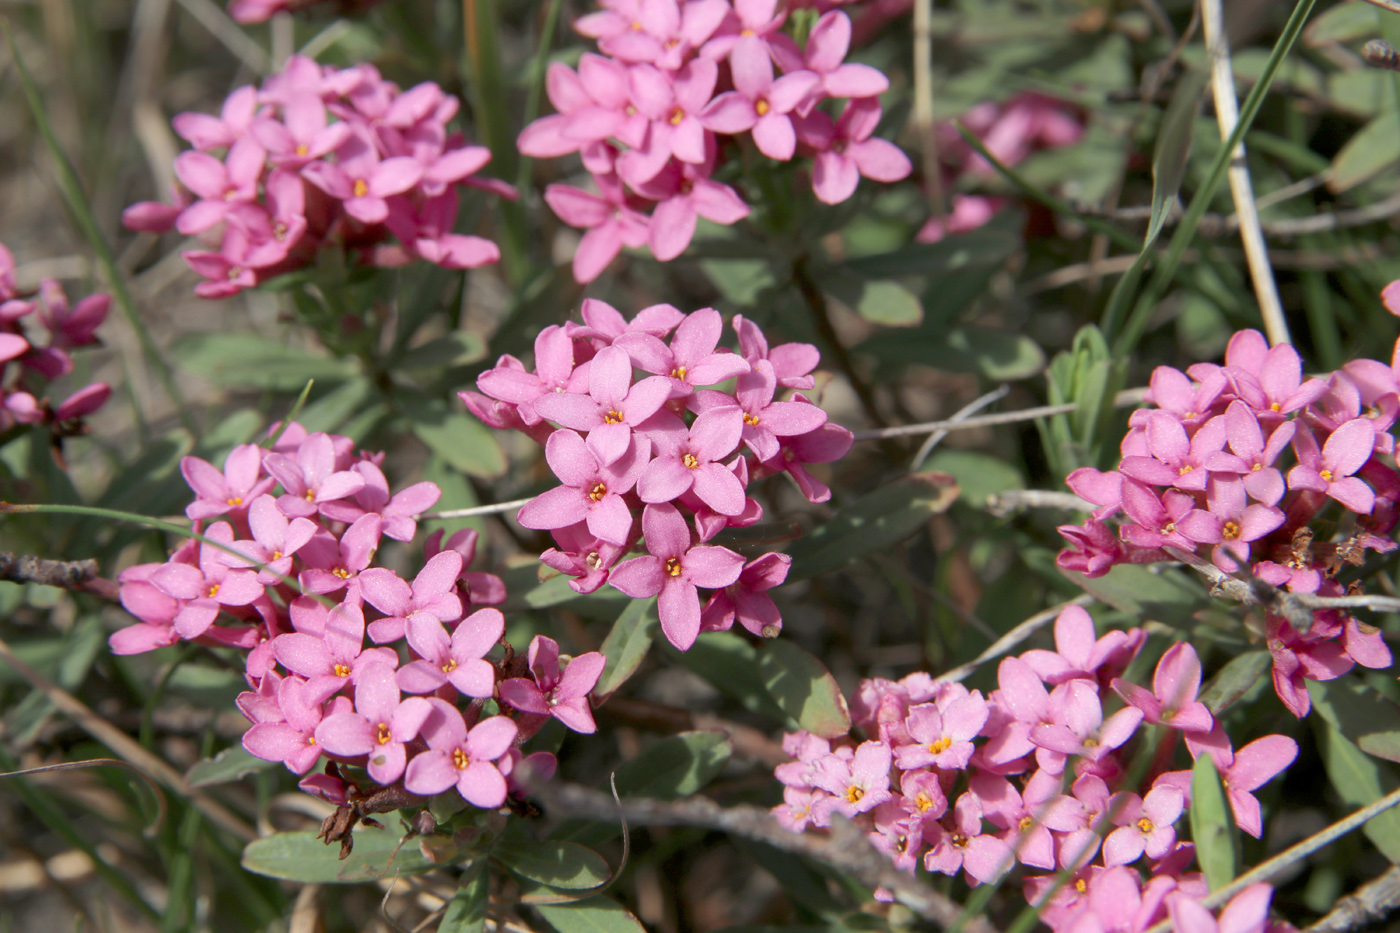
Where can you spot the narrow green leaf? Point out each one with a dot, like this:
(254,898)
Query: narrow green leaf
(304,858)
(466,912)
(455,349)
(676,766)
(594,915)
(1372,149)
(1173,148)
(1169,597)
(1345,22)
(997,354)
(1236,678)
(1360,780)
(879,301)
(231,764)
(555,862)
(1368,719)
(878,520)
(729,662)
(988,247)
(804,689)
(626,645)
(464,442)
(1212,824)
(251,361)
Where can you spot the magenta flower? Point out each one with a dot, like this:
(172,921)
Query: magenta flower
(311,478)
(746,598)
(609,219)
(456,757)
(854,150)
(155,609)
(479,589)
(398,512)
(208,587)
(1028,818)
(943,737)
(1302,656)
(1175,684)
(1175,460)
(1247,912)
(233,122)
(70,325)
(827,45)
(1144,825)
(671,104)
(674,571)
(582,555)
(828,443)
(1077,726)
(984,857)
(857,784)
(335,658)
(691,359)
(1271,383)
(691,460)
(591,106)
(1171,520)
(219,184)
(233,489)
(1241,771)
(684,193)
(332,565)
(302,135)
(763,421)
(662,32)
(554,372)
(613,407)
(1240,523)
(602,323)
(1079,652)
(556,690)
(275,539)
(361,180)
(1253,459)
(1330,470)
(590,492)
(378,728)
(457,660)
(432,592)
(792,362)
(759,103)
(289,737)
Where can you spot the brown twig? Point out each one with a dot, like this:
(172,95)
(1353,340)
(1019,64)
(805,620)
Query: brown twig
(1374,900)
(844,848)
(81,575)
(821,317)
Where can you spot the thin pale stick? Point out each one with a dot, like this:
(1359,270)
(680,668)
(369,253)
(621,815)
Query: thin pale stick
(1374,900)
(1002,504)
(962,414)
(922,117)
(222,27)
(126,747)
(162,808)
(496,509)
(1227,115)
(1011,639)
(1266,870)
(1121,400)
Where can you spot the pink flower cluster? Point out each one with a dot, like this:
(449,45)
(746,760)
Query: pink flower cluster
(28,361)
(248,12)
(674,76)
(663,445)
(293,577)
(1031,774)
(1251,465)
(321,156)
(1011,132)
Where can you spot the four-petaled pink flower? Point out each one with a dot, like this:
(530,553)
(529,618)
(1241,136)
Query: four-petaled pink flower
(333,658)
(361,180)
(590,493)
(759,103)
(432,592)
(1144,825)
(689,459)
(461,759)
(207,587)
(557,690)
(674,571)
(379,726)
(1330,470)
(613,407)
(1175,684)
(457,660)
(231,490)
(691,360)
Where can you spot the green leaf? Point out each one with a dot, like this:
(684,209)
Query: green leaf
(1236,678)
(740,281)
(334,408)
(1374,148)
(980,248)
(231,764)
(1368,719)
(1360,780)
(464,442)
(555,862)
(594,915)
(1169,597)
(997,354)
(455,349)
(875,522)
(466,912)
(1345,22)
(729,662)
(676,766)
(879,301)
(979,475)
(1212,824)
(804,689)
(302,857)
(626,645)
(1172,151)
(250,361)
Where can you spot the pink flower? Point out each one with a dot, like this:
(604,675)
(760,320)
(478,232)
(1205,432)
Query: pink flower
(456,757)
(1144,825)
(1080,653)
(233,122)
(671,104)
(857,784)
(220,185)
(685,193)
(688,460)
(1172,519)
(1241,771)
(853,151)
(361,180)
(433,592)
(311,478)
(457,660)
(208,587)
(590,492)
(827,45)
(746,598)
(1331,469)
(602,323)
(332,565)
(234,489)
(691,359)
(335,658)
(302,135)
(1253,459)
(610,221)
(289,735)
(554,372)
(379,727)
(1078,728)
(759,103)
(275,539)
(613,407)
(1247,912)
(984,857)
(1175,684)
(399,512)
(792,362)
(673,572)
(557,690)
(942,737)
(763,420)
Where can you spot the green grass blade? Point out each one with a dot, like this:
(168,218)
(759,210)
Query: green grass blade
(1186,230)
(538,68)
(77,202)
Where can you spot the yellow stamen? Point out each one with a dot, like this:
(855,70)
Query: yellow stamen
(384,736)
(213,591)
(598,492)
(1325,474)
(677,116)
(751,420)
(613,417)
(673,566)
(678,372)
(342,671)
(236,500)
(1145,825)
(940,745)
(449,665)
(460,759)
(342,573)
(854,794)
(361,188)
(1230,531)
(761,107)
(690,461)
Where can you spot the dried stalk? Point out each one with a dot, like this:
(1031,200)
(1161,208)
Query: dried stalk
(1374,900)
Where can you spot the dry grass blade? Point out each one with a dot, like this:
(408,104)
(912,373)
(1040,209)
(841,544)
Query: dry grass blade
(1374,900)
(162,808)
